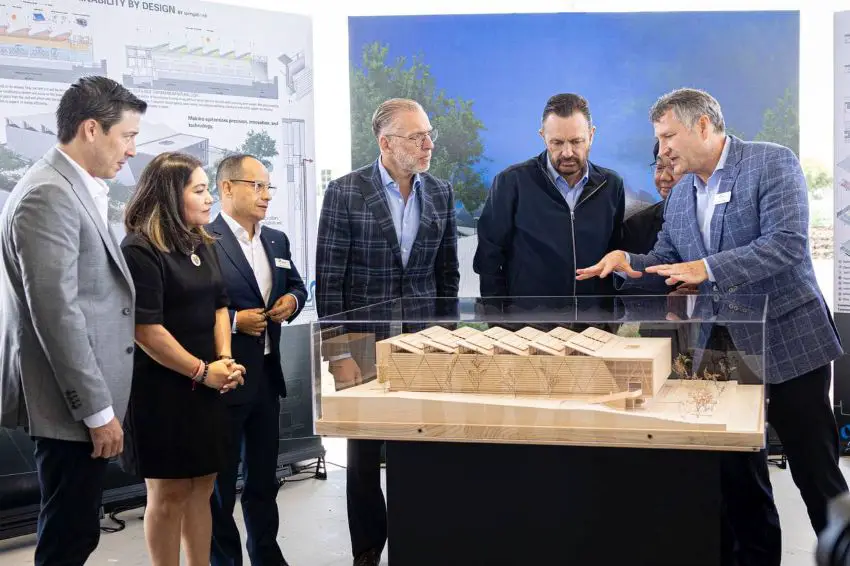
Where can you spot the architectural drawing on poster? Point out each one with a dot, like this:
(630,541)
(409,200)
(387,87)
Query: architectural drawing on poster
(40,45)
(844,214)
(32,136)
(299,76)
(199,63)
(293,181)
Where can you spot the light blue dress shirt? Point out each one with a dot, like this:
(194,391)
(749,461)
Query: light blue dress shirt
(405,214)
(570,194)
(706,194)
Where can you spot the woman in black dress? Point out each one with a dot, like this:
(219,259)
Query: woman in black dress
(177,425)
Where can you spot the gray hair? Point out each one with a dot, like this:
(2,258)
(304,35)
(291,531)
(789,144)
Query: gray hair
(388,110)
(688,105)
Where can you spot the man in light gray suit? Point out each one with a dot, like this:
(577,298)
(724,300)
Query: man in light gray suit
(66,334)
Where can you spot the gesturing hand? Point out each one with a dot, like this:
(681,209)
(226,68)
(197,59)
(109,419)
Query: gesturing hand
(692,272)
(613,261)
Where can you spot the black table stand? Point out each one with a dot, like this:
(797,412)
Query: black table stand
(468,504)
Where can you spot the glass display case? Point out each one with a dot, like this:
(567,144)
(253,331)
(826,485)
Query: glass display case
(674,371)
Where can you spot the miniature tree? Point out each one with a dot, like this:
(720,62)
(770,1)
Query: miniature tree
(702,400)
(551,376)
(509,379)
(476,372)
(682,365)
(383,378)
(446,384)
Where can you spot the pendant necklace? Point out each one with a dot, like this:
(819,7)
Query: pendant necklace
(195,259)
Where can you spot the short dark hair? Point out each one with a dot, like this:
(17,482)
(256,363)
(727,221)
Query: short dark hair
(231,166)
(565,105)
(94,98)
(156,208)
(655,151)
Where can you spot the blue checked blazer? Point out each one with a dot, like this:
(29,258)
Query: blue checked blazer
(358,258)
(759,245)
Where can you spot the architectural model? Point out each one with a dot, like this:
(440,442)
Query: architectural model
(557,385)
(528,362)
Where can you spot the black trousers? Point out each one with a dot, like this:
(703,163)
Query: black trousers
(367,509)
(71,484)
(257,425)
(801,414)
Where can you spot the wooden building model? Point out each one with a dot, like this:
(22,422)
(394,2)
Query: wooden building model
(592,363)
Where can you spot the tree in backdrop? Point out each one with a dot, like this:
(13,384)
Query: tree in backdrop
(259,144)
(817,178)
(458,150)
(262,146)
(781,124)
(12,168)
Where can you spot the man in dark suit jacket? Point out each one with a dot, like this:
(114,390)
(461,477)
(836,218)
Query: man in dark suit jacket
(386,231)
(265,289)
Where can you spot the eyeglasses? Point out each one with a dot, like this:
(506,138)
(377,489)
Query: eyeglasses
(418,139)
(259,186)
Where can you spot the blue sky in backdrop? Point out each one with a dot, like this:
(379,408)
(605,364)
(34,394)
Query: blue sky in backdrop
(510,64)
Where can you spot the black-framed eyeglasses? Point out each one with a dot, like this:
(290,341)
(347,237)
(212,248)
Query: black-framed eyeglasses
(259,186)
(418,139)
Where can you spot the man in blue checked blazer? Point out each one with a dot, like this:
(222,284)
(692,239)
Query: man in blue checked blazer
(737,224)
(386,231)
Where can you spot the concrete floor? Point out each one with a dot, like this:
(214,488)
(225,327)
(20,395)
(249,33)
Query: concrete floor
(314,529)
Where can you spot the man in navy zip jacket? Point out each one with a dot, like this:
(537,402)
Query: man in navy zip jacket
(547,215)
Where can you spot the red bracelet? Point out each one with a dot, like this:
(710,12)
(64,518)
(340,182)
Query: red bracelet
(198,370)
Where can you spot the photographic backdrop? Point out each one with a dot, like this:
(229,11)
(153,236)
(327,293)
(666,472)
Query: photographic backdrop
(484,79)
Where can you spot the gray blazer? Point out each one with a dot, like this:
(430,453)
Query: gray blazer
(66,298)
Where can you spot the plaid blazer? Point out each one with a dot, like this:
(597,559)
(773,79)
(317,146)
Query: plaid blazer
(759,245)
(358,258)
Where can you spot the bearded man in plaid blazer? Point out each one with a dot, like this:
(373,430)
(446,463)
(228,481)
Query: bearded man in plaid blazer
(386,231)
(737,224)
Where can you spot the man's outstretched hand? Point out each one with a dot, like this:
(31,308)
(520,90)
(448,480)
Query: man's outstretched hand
(613,261)
(690,272)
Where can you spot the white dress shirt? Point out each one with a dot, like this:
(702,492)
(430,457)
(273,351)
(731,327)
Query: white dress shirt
(258,259)
(99,192)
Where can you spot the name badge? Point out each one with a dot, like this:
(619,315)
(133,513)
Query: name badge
(284,263)
(721,198)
